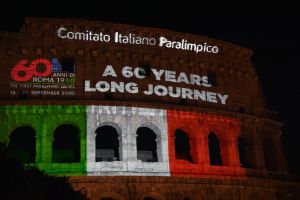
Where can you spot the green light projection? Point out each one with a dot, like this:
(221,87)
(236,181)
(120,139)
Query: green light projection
(44,120)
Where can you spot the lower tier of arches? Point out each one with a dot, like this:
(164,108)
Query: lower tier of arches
(119,140)
(180,188)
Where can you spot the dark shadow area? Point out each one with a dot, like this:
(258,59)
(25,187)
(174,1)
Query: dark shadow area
(66,144)
(22,144)
(107,144)
(269,151)
(146,145)
(242,147)
(148,198)
(17,182)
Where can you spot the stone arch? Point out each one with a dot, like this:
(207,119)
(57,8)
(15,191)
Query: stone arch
(52,127)
(109,150)
(112,124)
(119,131)
(270,159)
(214,147)
(17,123)
(153,195)
(227,135)
(220,132)
(184,128)
(182,145)
(246,139)
(113,195)
(254,196)
(22,143)
(66,144)
(146,144)
(158,138)
(150,125)
(244,149)
(61,122)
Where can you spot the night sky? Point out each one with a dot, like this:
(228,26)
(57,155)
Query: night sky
(275,41)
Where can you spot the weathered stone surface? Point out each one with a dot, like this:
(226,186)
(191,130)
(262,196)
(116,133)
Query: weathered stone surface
(126,120)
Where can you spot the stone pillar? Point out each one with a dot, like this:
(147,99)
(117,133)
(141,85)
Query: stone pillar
(203,149)
(258,150)
(38,143)
(46,142)
(234,159)
(172,156)
(193,150)
(164,148)
(91,139)
(131,141)
(123,141)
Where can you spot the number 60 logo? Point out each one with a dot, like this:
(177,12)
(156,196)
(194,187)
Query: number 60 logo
(22,73)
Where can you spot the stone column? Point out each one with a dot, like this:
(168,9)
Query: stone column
(46,141)
(258,150)
(172,156)
(38,140)
(193,150)
(131,139)
(203,149)
(233,152)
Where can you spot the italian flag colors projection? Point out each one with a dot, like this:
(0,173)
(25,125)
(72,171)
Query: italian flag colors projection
(119,140)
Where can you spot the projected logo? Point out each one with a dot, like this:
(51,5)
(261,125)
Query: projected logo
(25,70)
(48,77)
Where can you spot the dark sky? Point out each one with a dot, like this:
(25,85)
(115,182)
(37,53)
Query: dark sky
(275,41)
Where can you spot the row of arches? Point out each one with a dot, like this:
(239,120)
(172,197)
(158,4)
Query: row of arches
(108,144)
(66,146)
(183,151)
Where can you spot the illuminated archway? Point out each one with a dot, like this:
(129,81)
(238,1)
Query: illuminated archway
(214,149)
(146,145)
(107,144)
(66,144)
(182,146)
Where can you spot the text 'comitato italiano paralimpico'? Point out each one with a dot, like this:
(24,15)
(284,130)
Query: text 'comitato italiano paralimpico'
(134,39)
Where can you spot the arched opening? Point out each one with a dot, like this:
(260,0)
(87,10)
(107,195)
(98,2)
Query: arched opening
(214,149)
(22,144)
(66,144)
(148,198)
(182,146)
(270,155)
(242,147)
(107,144)
(146,145)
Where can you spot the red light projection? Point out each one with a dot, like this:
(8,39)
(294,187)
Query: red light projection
(194,157)
(22,73)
